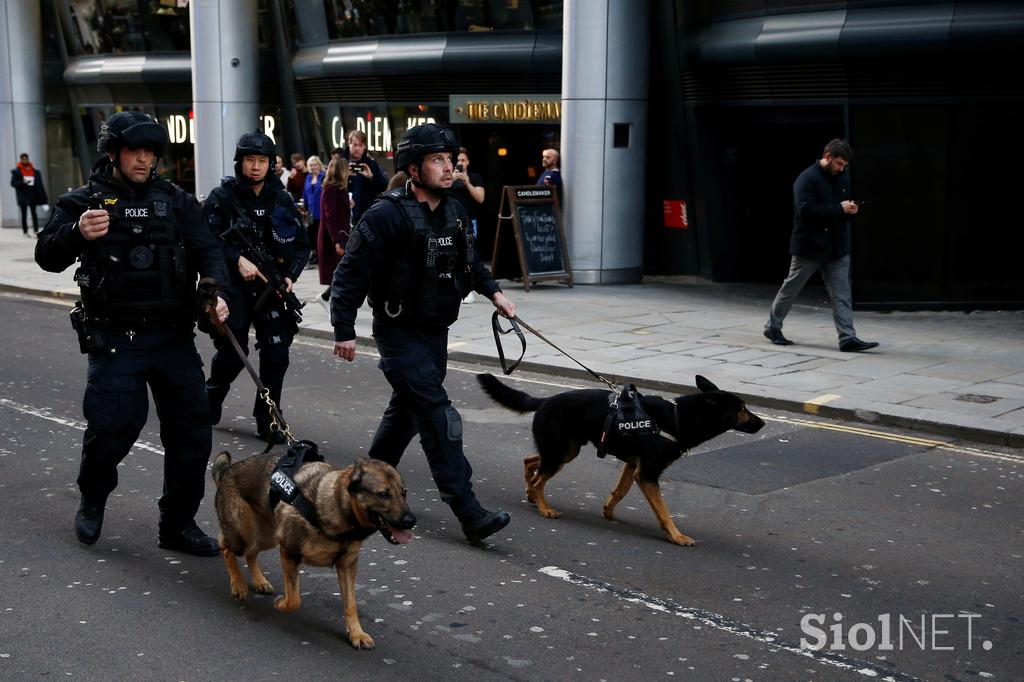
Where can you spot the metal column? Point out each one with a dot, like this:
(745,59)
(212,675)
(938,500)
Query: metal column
(605,60)
(225,83)
(22,108)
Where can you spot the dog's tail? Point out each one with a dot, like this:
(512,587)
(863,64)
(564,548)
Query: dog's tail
(220,464)
(508,397)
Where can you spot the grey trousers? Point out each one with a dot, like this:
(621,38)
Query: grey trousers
(836,274)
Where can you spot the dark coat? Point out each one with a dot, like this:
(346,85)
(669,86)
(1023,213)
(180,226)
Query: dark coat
(335,225)
(29,195)
(821,231)
(364,191)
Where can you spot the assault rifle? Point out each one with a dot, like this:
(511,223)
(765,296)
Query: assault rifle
(268,272)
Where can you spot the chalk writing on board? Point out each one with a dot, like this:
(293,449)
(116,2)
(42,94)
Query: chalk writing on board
(540,236)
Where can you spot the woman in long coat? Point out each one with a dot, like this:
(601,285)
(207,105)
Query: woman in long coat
(335,222)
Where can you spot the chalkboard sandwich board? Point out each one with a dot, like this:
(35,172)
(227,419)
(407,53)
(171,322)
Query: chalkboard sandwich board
(539,239)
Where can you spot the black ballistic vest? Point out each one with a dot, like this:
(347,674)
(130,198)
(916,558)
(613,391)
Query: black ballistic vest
(138,270)
(427,283)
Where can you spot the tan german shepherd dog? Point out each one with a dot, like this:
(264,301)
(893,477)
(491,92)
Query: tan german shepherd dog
(352,504)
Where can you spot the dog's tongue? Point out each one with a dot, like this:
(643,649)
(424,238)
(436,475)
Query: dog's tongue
(402,537)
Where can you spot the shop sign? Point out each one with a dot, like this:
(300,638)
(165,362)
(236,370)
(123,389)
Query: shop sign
(181,129)
(505,108)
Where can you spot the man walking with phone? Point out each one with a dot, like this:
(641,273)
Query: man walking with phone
(822,209)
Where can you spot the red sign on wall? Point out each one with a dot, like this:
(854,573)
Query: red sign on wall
(675,213)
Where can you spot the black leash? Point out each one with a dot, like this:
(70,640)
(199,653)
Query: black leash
(496,326)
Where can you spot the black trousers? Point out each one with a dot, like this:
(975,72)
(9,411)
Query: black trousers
(25,208)
(415,364)
(275,330)
(116,407)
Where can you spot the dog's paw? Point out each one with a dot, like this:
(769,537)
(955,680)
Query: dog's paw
(548,513)
(683,540)
(284,606)
(240,592)
(608,513)
(263,587)
(360,640)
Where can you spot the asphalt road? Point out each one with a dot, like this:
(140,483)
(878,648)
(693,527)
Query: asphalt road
(806,517)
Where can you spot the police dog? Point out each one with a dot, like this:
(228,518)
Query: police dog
(565,422)
(351,503)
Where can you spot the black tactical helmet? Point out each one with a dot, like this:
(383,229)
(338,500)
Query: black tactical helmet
(256,144)
(132,129)
(421,140)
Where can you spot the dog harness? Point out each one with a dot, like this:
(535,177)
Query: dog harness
(626,418)
(282,480)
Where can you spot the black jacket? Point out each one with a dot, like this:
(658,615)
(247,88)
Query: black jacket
(29,195)
(365,192)
(286,239)
(381,238)
(61,243)
(821,231)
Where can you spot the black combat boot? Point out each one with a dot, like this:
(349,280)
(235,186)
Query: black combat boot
(189,539)
(89,521)
(478,523)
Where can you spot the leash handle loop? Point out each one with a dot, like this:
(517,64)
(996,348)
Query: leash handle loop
(496,327)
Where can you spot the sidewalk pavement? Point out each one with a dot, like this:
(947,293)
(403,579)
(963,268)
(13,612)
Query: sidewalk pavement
(948,373)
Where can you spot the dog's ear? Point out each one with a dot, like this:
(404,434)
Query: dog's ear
(356,479)
(704,385)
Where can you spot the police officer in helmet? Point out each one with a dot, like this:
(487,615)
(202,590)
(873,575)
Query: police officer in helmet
(412,256)
(248,213)
(140,241)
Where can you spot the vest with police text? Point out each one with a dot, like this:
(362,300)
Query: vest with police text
(428,282)
(138,270)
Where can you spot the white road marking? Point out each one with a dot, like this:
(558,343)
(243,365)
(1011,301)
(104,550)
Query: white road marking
(723,624)
(44,413)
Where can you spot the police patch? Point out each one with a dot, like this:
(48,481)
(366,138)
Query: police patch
(355,240)
(160,208)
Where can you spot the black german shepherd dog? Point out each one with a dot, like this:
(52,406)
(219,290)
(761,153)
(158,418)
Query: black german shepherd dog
(565,422)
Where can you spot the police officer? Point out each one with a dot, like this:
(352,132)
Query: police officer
(139,239)
(247,212)
(413,255)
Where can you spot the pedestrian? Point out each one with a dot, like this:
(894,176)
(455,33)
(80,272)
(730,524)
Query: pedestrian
(297,176)
(335,222)
(255,218)
(140,240)
(822,209)
(281,172)
(468,189)
(311,197)
(366,179)
(410,252)
(28,186)
(551,162)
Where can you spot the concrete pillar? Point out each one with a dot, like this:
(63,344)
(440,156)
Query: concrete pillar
(22,108)
(225,83)
(605,60)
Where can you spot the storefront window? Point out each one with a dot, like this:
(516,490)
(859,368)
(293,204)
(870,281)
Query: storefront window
(127,26)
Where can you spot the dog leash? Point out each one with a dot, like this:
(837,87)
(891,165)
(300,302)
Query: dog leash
(515,323)
(207,291)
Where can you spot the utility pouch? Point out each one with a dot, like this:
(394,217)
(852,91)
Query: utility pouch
(90,338)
